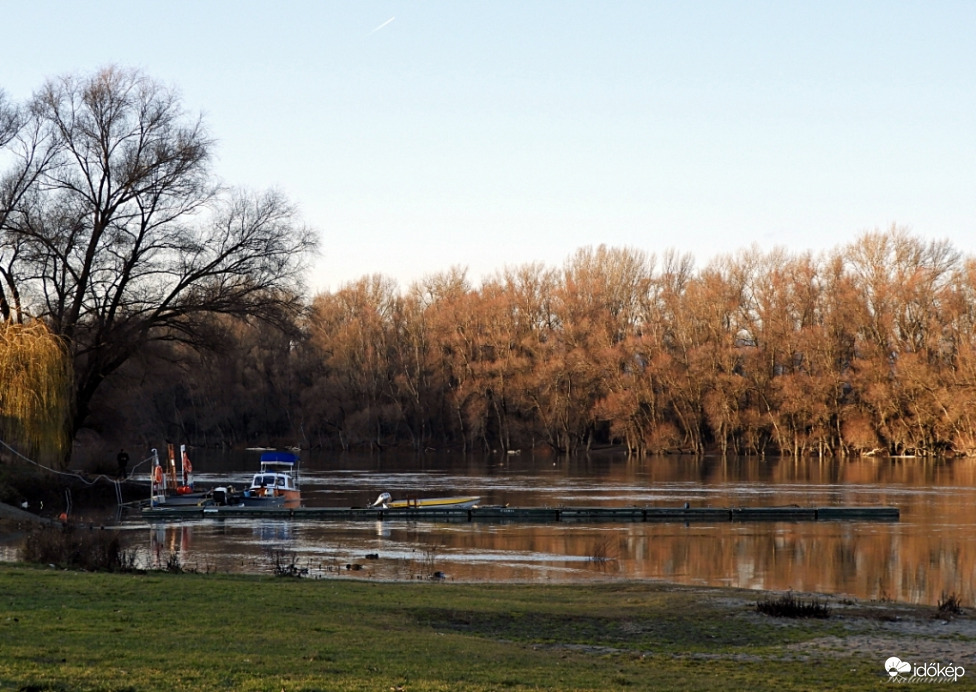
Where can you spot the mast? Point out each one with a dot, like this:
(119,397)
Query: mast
(186,468)
(155,480)
(171,471)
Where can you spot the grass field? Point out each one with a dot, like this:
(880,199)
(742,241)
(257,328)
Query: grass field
(63,630)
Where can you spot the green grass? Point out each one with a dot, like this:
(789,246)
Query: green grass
(84,631)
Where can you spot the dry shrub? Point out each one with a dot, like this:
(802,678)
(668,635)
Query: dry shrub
(789,606)
(69,547)
(663,437)
(964,442)
(283,563)
(858,432)
(950,604)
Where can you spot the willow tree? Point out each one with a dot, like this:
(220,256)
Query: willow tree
(35,383)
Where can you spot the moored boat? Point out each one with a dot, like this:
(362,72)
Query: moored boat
(276,484)
(171,489)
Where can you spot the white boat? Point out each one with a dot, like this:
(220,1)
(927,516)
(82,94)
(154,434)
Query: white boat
(276,484)
(386,501)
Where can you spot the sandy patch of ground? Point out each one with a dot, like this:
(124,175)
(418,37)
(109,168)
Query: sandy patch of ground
(913,634)
(878,631)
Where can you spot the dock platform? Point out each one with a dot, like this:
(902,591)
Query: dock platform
(500,514)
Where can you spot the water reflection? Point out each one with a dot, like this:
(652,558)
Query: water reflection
(916,559)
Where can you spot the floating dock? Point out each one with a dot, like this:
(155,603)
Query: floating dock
(497,514)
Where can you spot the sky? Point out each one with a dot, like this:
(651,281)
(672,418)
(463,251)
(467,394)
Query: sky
(420,136)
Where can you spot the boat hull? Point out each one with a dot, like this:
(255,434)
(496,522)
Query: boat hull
(181,499)
(289,499)
(267,502)
(464,502)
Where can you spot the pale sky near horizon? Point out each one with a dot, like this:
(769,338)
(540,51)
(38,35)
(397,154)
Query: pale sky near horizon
(417,136)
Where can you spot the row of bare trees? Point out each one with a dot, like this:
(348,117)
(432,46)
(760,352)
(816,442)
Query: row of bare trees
(868,348)
(179,305)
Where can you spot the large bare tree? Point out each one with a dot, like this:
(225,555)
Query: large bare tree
(115,231)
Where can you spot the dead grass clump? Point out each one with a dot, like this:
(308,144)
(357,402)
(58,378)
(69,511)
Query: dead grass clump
(174,565)
(789,606)
(949,604)
(283,563)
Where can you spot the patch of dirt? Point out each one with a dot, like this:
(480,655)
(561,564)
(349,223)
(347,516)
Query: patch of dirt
(914,634)
(877,631)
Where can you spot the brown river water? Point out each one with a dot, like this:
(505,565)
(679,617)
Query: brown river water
(930,551)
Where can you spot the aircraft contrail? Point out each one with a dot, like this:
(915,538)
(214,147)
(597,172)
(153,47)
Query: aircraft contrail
(381,25)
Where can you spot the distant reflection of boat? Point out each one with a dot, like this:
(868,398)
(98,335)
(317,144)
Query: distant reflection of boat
(385,501)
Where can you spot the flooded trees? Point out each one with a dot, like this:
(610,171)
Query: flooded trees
(900,293)
(759,353)
(866,349)
(352,392)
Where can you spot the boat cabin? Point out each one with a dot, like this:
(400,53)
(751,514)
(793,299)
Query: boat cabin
(282,481)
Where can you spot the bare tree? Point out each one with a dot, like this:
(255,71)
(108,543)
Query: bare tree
(30,151)
(353,392)
(120,235)
(9,119)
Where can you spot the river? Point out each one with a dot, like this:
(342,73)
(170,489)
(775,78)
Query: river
(925,554)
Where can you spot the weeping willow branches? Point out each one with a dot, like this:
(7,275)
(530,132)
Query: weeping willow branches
(35,385)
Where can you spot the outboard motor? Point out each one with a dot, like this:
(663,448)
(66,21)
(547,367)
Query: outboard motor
(382,500)
(220,496)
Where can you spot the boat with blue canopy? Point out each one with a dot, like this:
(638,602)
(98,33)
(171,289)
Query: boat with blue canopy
(276,484)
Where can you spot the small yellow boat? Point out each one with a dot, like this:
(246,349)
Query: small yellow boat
(385,501)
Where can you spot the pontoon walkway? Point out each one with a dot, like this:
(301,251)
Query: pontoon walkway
(499,514)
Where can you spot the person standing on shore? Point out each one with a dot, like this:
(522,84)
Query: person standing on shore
(123,461)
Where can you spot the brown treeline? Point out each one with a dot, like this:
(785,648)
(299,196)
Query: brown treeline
(869,348)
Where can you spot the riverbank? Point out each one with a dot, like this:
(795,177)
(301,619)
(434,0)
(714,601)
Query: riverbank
(14,522)
(16,515)
(47,494)
(216,631)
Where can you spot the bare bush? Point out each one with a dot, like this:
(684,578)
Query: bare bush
(789,606)
(950,604)
(69,547)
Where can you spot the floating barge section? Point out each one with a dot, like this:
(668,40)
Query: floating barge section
(531,514)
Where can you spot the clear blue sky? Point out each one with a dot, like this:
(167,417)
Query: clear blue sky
(420,135)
